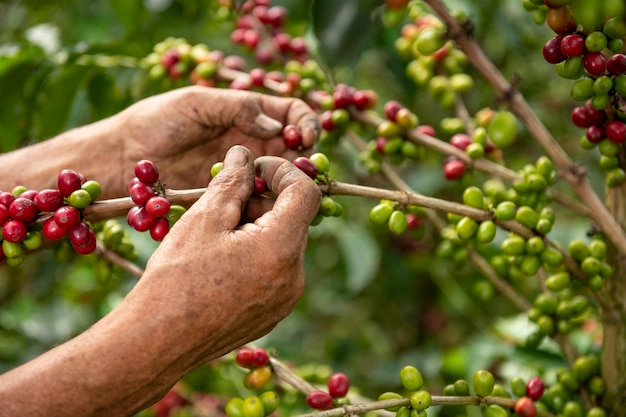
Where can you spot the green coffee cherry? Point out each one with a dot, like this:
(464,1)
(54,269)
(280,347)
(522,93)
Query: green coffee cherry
(327,206)
(483,382)
(93,188)
(397,222)
(518,386)
(234,407)
(216,168)
(494,410)
(461,387)
(502,128)
(253,407)
(270,401)
(513,245)
(79,198)
(411,378)
(321,161)
(421,400)
(578,250)
(381,213)
(390,396)
(598,249)
(535,245)
(486,232)
(505,211)
(466,228)
(527,217)
(558,281)
(474,197)
(33,240)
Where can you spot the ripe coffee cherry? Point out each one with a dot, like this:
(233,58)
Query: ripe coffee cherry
(89,247)
(4,214)
(305,165)
(616,64)
(572,45)
(595,133)
(319,400)
(157,206)
(29,194)
(615,131)
(391,109)
(67,216)
(146,171)
(259,186)
(139,219)
(594,63)
(68,181)
(51,230)
(6,198)
(454,169)
(14,231)
(338,385)
(79,234)
(292,137)
(525,407)
(23,209)
(552,50)
(535,388)
(159,229)
(141,192)
(461,141)
(49,200)
(243,358)
(259,357)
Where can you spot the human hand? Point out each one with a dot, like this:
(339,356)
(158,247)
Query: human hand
(232,267)
(186,131)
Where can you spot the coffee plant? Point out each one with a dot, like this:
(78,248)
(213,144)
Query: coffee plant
(472,166)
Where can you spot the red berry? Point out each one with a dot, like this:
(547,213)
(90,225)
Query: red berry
(157,206)
(594,63)
(596,117)
(616,64)
(4,214)
(573,45)
(259,357)
(68,181)
(139,219)
(6,198)
(381,141)
(326,120)
(534,388)
(29,194)
(461,141)
(342,96)
(23,209)
(159,229)
(67,216)
(579,117)
(552,50)
(319,400)
(257,76)
(88,247)
(49,200)
(140,193)
(338,385)
(251,38)
(170,58)
(615,131)
(426,130)
(51,230)
(391,109)
(292,137)
(454,169)
(79,234)
(146,171)
(282,41)
(305,165)
(364,99)
(298,46)
(243,358)
(595,133)
(413,221)
(14,231)
(259,186)
(525,407)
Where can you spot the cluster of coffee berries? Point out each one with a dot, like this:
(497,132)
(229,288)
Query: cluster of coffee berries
(413,383)
(260,405)
(153,212)
(337,387)
(260,28)
(116,238)
(593,57)
(397,217)
(257,361)
(21,208)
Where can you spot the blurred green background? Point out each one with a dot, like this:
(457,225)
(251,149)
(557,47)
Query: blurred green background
(373,302)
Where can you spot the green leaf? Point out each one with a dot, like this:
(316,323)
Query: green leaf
(101,92)
(129,13)
(361,254)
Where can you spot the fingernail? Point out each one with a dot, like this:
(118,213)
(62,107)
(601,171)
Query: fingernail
(237,156)
(267,123)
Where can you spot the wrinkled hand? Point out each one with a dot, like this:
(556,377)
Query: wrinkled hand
(186,131)
(233,280)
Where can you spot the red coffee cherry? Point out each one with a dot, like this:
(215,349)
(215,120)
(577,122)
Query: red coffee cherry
(159,229)
(391,109)
(461,141)
(6,198)
(243,358)
(259,357)
(68,181)
(49,200)
(259,186)
(305,165)
(89,247)
(552,50)
(23,209)
(14,231)
(141,192)
(534,388)
(338,385)
(454,169)
(67,216)
(51,230)
(525,407)
(146,171)
(79,234)
(4,213)
(157,206)
(139,219)
(292,137)
(319,400)
(29,194)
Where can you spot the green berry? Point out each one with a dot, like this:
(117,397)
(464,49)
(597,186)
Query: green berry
(381,213)
(390,396)
(578,250)
(558,281)
(411,378)
(321,161)
(474,197)
(466,228)
(270,401)
(527,217)
(494,410)
(582,89)
(483,382)
(518,386)
(461,387)
(502,128)
(93,188)
(421,400)
(486,232)
(253,407)
(79,199)
(513,245)
(506,211)
(216,168)
(598,249)
(397,222)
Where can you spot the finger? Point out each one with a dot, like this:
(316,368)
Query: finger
(297,112)
(297,198)
(229,191)
(257,206)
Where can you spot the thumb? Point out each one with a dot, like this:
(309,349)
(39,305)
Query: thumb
(228,193)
